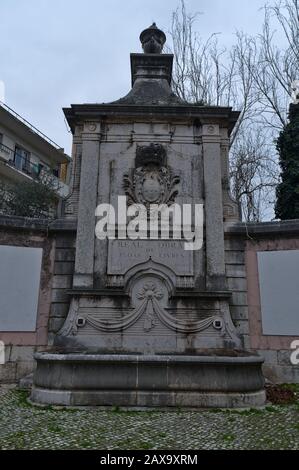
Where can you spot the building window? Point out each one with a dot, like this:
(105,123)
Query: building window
(55,172)
(22,159)
(1,138)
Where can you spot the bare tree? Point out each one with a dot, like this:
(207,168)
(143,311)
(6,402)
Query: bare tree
(273,70)
(277,67)
(254,76)
(205,73)
(253,172)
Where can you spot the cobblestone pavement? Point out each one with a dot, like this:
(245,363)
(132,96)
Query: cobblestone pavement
(23,426)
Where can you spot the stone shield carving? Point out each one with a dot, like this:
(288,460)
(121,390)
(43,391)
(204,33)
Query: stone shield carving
(151,182)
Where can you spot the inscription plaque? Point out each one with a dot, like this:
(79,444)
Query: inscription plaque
(124,254)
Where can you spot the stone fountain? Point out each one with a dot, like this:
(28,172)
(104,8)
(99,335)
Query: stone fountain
(149,323)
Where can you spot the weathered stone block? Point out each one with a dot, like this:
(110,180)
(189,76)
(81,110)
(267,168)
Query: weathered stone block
(237,271)
(62,282)
(237,284)
(237,244)
(239,313)
(269,356)
(22,353)
(55,324)
(7,352)
(235,257)
(59,310)
(63,268)
(242,327)
(60,296)
(281,374)
(284,358)
(239,298)
(24,368)
(246,342)
(65,241)
(65,254)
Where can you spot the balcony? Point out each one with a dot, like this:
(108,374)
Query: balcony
(6,153)
(35,171)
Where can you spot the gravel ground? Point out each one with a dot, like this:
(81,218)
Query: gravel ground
(23,426)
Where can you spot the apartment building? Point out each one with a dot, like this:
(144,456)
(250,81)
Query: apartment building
(28,154)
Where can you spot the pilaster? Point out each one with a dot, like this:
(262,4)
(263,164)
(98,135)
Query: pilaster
(211,142)
(84,265)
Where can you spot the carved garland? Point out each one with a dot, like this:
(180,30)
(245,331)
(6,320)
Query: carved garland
(150,295)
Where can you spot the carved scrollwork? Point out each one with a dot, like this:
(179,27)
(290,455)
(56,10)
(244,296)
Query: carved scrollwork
(70,327)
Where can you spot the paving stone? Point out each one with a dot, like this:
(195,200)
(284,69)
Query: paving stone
(8,372)
(23,426)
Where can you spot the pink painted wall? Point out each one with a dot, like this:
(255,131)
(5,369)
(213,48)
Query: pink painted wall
(257,339)
(40,336)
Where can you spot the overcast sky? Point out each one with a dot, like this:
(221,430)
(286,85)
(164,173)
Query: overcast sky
(57,52)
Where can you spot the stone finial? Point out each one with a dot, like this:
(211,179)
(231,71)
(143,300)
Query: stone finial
(152,40)
(295,91)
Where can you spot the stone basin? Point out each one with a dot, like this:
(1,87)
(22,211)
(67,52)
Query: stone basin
(144,381)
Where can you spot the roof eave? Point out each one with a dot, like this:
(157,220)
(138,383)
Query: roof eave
(81,112)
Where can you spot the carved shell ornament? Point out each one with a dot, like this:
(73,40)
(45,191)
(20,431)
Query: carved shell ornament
(150,291)
(151,182)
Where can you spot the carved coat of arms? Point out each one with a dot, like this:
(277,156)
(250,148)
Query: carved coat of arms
(151,182)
